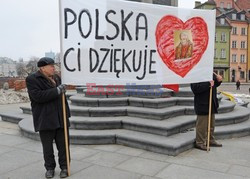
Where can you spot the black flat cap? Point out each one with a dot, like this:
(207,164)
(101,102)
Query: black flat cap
(45,61)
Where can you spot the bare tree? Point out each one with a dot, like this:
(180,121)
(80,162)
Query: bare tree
(34,58)
(58,58)
(32,65)
(21,70)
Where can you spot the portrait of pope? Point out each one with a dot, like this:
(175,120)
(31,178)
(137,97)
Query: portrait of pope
(185,47)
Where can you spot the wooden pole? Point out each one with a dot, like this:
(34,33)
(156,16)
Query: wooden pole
(209,118)
(66,133)
(63,95)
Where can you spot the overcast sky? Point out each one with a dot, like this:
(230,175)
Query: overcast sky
(31,27)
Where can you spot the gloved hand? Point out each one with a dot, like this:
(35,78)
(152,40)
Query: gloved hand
(61,89)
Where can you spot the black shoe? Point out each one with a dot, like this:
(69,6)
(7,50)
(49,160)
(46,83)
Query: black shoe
(201,147)
(215,144)
(64,173)
(50,173)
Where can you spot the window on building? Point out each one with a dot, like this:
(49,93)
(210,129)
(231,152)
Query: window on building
(233,75)
(222,21)
(234,16)
(223,37)
(234,44)
(242,74)
(229,5)
(242,17)
(215,53)
(242,59)
(223,53)
(234,31)
(243,31)
(243,44)
(234,58)
(222,5)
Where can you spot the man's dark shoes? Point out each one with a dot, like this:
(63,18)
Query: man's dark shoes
(63,173)
(49,173)
(201,147)
(215,144)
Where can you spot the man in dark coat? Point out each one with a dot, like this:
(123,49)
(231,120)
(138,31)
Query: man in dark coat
(45,93)
(201,106)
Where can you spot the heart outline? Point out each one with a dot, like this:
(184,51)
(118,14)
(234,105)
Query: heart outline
(165,42)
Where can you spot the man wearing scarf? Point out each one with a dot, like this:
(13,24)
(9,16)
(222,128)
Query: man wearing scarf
(45,92)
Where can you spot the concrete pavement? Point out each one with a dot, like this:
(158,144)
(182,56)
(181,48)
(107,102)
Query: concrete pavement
(231,87)
(21,158)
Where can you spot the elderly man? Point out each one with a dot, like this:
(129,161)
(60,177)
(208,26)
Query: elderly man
(45,93)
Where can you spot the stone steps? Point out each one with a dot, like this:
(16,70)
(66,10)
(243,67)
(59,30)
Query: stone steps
(96,123)
(238,115)
(233,130)
(70,93)
(167,127)
(136,91)
(14,116)
(80,100)
(165,113)
(143,112)
(163,124)
(166,145)
(179,124)
(170,145)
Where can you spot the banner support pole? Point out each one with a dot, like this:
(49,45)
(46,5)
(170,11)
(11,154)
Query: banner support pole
(209,118)
(66,133)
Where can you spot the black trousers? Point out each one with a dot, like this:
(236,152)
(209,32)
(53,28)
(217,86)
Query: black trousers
(47,137)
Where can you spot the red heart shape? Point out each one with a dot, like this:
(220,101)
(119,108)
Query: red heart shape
(165,42)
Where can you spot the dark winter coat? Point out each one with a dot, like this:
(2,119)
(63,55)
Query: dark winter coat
(46,103)
(201,97)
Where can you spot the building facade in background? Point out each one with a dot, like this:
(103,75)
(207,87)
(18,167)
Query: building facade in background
(161,2)
(239,43)
(222,41)
(248,50)
(231,38)
(222,48)
(8,67)
(50,55)
(245,5)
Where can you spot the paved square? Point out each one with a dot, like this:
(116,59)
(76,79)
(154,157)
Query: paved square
(22,158)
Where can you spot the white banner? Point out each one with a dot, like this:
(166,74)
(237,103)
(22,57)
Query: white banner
(120,42)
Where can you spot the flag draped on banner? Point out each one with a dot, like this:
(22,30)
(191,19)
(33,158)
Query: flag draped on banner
(120,42)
